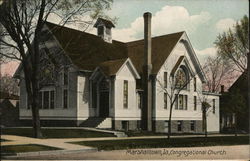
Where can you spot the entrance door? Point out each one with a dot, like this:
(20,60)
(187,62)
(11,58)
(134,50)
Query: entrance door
(104,104)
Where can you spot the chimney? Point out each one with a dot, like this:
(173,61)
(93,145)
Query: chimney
(146,78)
(222,89)
(147,38)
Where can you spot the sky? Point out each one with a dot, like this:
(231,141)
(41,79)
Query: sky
(202,20)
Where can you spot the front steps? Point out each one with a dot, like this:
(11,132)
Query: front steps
(105,124)
(97,122)
(92,122)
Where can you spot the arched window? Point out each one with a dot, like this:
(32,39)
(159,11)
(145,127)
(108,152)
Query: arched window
(181,78)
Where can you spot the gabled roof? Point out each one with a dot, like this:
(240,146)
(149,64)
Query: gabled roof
(88,51)
(240,83)
(105,22)
(111,67)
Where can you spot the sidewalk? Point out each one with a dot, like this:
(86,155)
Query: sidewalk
(64,143)
(73,148)
(58,143)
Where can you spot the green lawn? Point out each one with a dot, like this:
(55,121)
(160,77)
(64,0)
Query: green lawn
(13,149)
(151,133)
(163,143)
(57,133)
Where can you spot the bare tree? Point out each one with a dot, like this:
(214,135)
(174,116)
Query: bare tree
(23,21)
(217,71)
(176,82)
(205,105)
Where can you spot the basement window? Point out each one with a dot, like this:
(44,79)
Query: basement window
(179,125)
(125,125)
(192,125)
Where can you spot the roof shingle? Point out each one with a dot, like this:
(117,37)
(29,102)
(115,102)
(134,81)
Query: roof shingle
(89,51)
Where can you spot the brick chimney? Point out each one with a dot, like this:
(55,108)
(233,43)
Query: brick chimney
(146,79)
(222,87)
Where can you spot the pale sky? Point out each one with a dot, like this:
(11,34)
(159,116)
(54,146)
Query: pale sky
(202,20)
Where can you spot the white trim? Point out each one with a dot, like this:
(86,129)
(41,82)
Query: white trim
(53,118)
(190,49)
(130,64)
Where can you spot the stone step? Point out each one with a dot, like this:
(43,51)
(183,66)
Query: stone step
(105,124)
(120,134)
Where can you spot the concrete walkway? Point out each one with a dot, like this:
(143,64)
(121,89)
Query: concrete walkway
(58,143)
(64,142)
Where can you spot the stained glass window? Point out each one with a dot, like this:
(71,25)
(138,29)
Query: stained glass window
(181,79)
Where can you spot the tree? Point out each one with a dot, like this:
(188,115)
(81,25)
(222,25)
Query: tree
(172,86)
(217,72)
(205,108)
(23,21)
(234,102)
(233,45)
(9,85)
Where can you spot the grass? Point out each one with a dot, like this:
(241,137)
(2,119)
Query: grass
(2,140)
(13,149)
(164,143)
(151,133)
(56,133)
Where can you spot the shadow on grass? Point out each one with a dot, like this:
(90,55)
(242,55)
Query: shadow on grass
(56,133)
(13,149)
(164,143)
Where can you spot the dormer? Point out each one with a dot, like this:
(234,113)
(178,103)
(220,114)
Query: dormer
(104,29)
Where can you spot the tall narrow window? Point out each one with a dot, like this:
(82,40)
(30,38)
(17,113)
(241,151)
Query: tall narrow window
(125,94)
(194,84)
(65,77)
(40,97)
(195,103)
(52,99)
(185,100)
(181,102)
(165,79)
(94,95)
(213,105)
(165,101)
(176,102)
(65,98)
(139,100)
(46,99)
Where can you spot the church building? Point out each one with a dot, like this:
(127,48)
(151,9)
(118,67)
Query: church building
(94,81)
